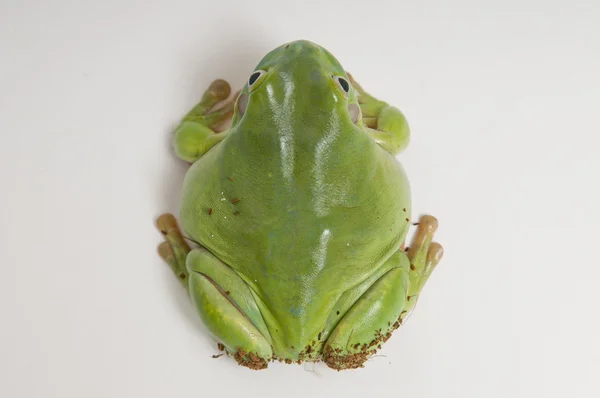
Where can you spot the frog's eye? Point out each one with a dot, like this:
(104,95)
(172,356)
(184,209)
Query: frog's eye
(254,77)
(343,84)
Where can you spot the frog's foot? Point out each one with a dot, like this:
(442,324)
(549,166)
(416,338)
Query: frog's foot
(424,255)
(371,320)
(175,249)
(385,123)
(206,124)
(227,307)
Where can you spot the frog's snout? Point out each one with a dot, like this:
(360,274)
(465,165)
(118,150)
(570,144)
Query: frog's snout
(302,46)
(306,57)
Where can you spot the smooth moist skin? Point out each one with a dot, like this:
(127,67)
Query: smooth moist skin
(301,211)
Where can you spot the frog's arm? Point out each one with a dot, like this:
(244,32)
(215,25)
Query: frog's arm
(385,123)
(200,129)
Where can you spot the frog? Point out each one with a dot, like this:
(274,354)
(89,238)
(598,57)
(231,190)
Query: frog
(294,213)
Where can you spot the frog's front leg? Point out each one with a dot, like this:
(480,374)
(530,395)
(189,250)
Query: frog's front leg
(223,300)
(201,128)
(385,123)
(383,307)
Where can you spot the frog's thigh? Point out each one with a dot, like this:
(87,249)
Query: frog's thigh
(371,319)
(227,308)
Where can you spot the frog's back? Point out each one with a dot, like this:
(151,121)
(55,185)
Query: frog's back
(298,199)
(301,215)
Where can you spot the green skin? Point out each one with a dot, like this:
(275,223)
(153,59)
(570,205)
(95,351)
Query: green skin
(301,211)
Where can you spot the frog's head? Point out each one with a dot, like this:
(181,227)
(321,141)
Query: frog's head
(298,83)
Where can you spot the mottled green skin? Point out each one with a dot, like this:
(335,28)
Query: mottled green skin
(322,206)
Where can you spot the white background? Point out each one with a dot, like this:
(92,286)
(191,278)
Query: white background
(502,97)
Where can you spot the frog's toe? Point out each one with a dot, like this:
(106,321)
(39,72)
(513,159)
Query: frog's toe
(424,254)
(219,89)
(175,249)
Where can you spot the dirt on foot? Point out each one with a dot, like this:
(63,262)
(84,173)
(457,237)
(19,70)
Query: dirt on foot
(250,360)
(338,361)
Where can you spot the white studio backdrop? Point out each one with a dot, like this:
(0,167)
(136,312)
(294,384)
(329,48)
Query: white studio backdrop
(502,99)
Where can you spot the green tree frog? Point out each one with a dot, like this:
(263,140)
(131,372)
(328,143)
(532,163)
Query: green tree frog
(300,210)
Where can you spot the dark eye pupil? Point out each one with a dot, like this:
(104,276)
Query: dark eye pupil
(253,77)
(344,84)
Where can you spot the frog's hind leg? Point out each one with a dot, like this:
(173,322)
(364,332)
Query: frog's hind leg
(385,123)
(228,309)
(372,318)
(223,300)
(205,125)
